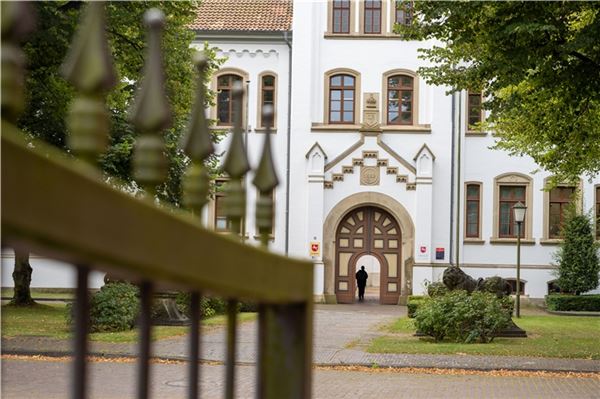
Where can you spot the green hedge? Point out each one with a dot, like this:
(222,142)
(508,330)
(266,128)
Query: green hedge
(582,303)
(413,304)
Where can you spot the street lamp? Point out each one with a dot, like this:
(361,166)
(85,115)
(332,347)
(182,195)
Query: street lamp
(519,214)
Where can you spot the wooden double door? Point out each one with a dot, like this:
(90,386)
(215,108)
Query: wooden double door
(368,231)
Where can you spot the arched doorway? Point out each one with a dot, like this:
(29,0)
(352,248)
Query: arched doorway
(368,230)
(373,268)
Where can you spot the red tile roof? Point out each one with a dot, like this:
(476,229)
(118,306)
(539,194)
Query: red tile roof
(244,15)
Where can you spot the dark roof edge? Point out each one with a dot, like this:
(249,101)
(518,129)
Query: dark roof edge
(243,35)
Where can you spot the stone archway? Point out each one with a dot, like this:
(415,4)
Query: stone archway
(357,200)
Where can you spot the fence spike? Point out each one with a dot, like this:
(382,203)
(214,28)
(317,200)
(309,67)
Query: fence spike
(265,180)
(89,68)
(236,166)
(18,20)
(198,145)
(151,111)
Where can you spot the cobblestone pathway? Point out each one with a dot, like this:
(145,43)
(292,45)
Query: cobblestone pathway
(110,380)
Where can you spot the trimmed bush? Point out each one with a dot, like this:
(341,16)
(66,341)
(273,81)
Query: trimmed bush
(209,306)
(461,317)
(436,289)
(114,308)
(413,304)
(581,303)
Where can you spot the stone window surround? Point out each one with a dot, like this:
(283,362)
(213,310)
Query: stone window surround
(384,95)
(478,239)
(513,179)
(596,199)
(352,26)
(245,78)
(383,25)
(357,95)
(546,240)
(259,127)
(468,130)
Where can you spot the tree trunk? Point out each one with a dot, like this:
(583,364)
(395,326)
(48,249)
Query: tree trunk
(22,278)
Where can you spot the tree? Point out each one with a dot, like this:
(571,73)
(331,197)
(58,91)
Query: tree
(49,95)
(538,66)
(577,257)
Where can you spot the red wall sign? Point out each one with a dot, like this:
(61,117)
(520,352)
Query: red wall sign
(423,249)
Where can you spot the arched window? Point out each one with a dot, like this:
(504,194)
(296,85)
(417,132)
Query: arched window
(400,97)
(341,98)
(225,111)
(267,97)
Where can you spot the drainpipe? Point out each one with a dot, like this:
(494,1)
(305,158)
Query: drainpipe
(458,167)
(288,138)
(451,234)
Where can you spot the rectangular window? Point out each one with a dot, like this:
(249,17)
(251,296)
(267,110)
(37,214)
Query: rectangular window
(273,219)
(372,16)
(509,196)
(267,96)
(560,197)
(404,12)
(472,211)
(220,222)
(474,109)
(598,213)
(341,16)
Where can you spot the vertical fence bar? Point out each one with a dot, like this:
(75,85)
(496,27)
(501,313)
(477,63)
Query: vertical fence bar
(231,349)
(285,353)
(197,144)
(81,312)
(145,331)
(194,345)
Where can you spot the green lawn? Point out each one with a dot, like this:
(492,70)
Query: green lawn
(36,293)
(50,321)
(548,336)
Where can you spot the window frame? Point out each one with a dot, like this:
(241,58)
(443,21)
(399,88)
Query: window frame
(327,93)
(363,17)
(469,128)
(513,179)
(578,186)
(479,185)
(214,85)
(259,121)
(597,208)
(394,5)
(331,15)
(415,98)
(512,281)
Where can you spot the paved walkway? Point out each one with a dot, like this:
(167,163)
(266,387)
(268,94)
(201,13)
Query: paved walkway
(338,328)
(50,379)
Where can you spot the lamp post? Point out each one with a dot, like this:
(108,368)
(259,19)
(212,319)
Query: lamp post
(519,214)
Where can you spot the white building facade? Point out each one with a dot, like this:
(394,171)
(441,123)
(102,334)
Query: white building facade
(377,167)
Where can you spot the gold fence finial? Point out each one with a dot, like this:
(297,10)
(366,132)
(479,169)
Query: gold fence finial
(197,144)
(151,111)
(236,165)
(89,68)
(18,20)
(265,180)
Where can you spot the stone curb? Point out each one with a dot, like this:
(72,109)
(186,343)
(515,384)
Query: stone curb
(392,364)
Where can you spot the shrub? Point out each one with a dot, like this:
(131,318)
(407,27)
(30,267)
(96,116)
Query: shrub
(413,304)
(209,306)
(462,317)
(436,289)
(577,257)
(114,308)
(582,303)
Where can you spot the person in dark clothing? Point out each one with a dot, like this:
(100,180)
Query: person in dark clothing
(361,281)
